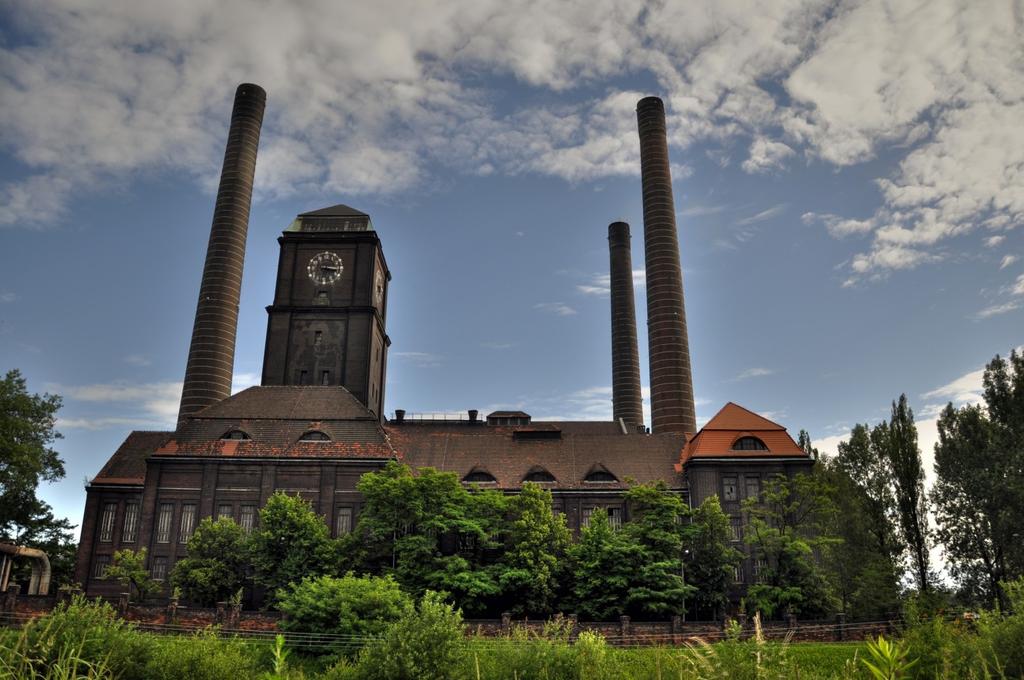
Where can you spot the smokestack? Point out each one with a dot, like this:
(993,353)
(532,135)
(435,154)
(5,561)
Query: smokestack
(211,356)
(671,382)
(627,404)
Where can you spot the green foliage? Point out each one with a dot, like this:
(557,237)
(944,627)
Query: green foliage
(290,544)
(215,567)
(16,661)
(787,524)
(979,488)
(202,656)
(129,569)
(888,659)
(602,569)
(426,643)
(709,558)
(536,541)
(351,606)
(430,532)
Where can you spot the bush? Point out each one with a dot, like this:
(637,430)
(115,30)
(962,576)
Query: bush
(202,656)
(426,643)
(352,606)
(215,567)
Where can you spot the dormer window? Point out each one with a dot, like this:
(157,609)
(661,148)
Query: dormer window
(314,436)
(539,475)
(236,435)
(599,475)
(749,444)
(479,477)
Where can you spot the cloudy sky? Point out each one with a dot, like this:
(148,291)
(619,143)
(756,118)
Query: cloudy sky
(849,178)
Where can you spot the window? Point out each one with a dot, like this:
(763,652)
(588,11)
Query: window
(615,517)
(158,572)
(479,477)
(248,522)
(318,338)
(107,522)
(585,521)
(729,488)
(753,487)
(736,526)
(188,522)
(225,511)
(737,574)
(236,434)
(130,531)
(314,436)
(163,523)
(600,476)
(749,444)
(539,475)
(325,378)
(760,570)
(343,522)
(99,566)
(303,377)
(467,543)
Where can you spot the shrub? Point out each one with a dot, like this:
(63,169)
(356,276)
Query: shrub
(426,643)
(216,562)
(202,656)
(352,606)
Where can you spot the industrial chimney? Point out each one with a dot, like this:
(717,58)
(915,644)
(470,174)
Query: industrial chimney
(627,404)
(211,355)
(672,407)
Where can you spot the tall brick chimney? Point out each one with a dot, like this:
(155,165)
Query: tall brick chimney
(211,356)
(672,407)
(627,404)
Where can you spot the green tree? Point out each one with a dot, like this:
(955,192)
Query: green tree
(129,568)
(863,460)
(27,432)
(290,544)
(214,569)
(657,587)
(536,540)
(430,532)
(602,569)
(979,490)
(710,560)
(898,439)
(787,526)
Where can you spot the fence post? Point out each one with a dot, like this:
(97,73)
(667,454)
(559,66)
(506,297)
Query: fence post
(122,604)
(677,628)
(841,626)
(172,611)
(624,628)
(506,622)
(234,615)
(221,606)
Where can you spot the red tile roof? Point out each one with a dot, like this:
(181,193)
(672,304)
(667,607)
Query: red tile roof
(716,438)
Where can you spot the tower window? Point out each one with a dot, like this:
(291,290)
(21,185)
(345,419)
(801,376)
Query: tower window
(325,378)
(749,444)
(318,338)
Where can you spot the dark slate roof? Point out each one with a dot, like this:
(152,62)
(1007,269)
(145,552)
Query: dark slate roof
(461,448)
(340,210)
(128,464)
(275,418)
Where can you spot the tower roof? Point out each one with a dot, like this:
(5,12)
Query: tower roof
(720,437)
(340,210)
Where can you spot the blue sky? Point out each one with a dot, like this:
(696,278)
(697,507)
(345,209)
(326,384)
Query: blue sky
(849,178)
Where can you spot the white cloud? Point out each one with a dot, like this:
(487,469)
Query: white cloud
(763,215)
(963,390)
(766,155)
(600,284)
(839,226)
(148,405)
(558,308)
(137,360)
(754,373)
(998,309)
(994,241)
(1007,261)
(420,359)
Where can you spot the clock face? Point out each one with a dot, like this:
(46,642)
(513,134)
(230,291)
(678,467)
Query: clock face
(325,268)
(378,288)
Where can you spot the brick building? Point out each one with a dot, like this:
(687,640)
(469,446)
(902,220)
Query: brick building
(316,423)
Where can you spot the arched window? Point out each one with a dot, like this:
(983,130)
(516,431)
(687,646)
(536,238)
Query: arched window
(479,477)
(749,444)
(600,476)
(236,434)
(539,475)
(314,436)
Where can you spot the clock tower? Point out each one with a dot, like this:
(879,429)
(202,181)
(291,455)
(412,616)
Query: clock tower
(327,323)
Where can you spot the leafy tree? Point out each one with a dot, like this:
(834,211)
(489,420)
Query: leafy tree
(129,568)
(863,461)
(536,540)
(291,543)
(710,560)
(353,607)
(657,587)
(214,569)
(898,440)
(804,441)
(979,489)
(786,528)
(430,532)
(602,569)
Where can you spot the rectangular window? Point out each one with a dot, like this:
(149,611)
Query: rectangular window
(753,487)
(303,377)
(615,517)
(107,522)
(158,572)
(225,511)
(188,522)
(736,525)
(325,378)
(343,522)
(760,570)
(318,338)
(99,566)
(737,574)
(587,512)
(131,523)
(729,489)
(248,522)
(163,523)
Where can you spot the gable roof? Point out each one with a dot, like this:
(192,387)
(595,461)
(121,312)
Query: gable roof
(340,210)
(128,464)
(732,422)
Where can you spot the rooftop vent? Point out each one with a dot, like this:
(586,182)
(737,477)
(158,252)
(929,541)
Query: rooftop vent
(508,418)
